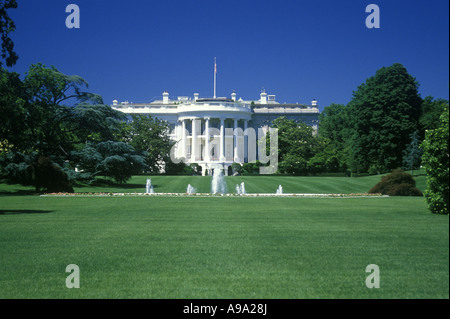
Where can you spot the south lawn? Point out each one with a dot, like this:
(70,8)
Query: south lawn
(222,247)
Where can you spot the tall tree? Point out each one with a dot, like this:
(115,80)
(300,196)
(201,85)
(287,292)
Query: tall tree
(383,113)
(327,158)
(47,118)
(333,123)
(150,135)
(334,126)
(13,109)
(51,117)
(436,162)
(296,145)
(431,112)
(95,123)
(7,26)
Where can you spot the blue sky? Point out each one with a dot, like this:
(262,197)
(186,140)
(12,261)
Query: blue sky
(298,50)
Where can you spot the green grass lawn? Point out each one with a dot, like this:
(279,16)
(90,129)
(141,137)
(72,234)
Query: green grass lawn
(253,184)
(223,247)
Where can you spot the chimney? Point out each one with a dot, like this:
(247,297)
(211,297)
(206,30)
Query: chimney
(165,97)
(314,102)
(233,96)
(195,97)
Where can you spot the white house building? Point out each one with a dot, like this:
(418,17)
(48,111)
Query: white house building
(216,132)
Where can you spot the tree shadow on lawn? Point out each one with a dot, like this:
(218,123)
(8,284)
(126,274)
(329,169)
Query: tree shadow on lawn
(19,193)
(100,183)
(23,211)
(135,188)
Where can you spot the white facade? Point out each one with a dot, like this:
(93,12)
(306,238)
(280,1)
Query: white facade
(216,132)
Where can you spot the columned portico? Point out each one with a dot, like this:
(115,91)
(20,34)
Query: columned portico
(194,141)
(211,133)
(236,142)
(222,141)
(183,139)
(207,150)
(245,141)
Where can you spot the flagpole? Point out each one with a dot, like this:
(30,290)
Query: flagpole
(215,73)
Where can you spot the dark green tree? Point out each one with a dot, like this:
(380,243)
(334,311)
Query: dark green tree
(94,123)
(150,135)
(179,168)
(52,118)
(382,114)
(435,159)
(49,176)
(237,168)
(7,26)
(49,117)
(251,168)
(297,144)
(327,158)
(16,167)
(333,124)
(431,112)
(116,160)
(13,110)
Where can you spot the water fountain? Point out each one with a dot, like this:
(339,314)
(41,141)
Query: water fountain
(149,187)
(243,188)
(279,190)
(190,189)
(240,189)
(218,181)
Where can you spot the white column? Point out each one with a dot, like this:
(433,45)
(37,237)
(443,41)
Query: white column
(245,141)
(207,152)
(194,141)
(183,139)
(222,140)
(236,155)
